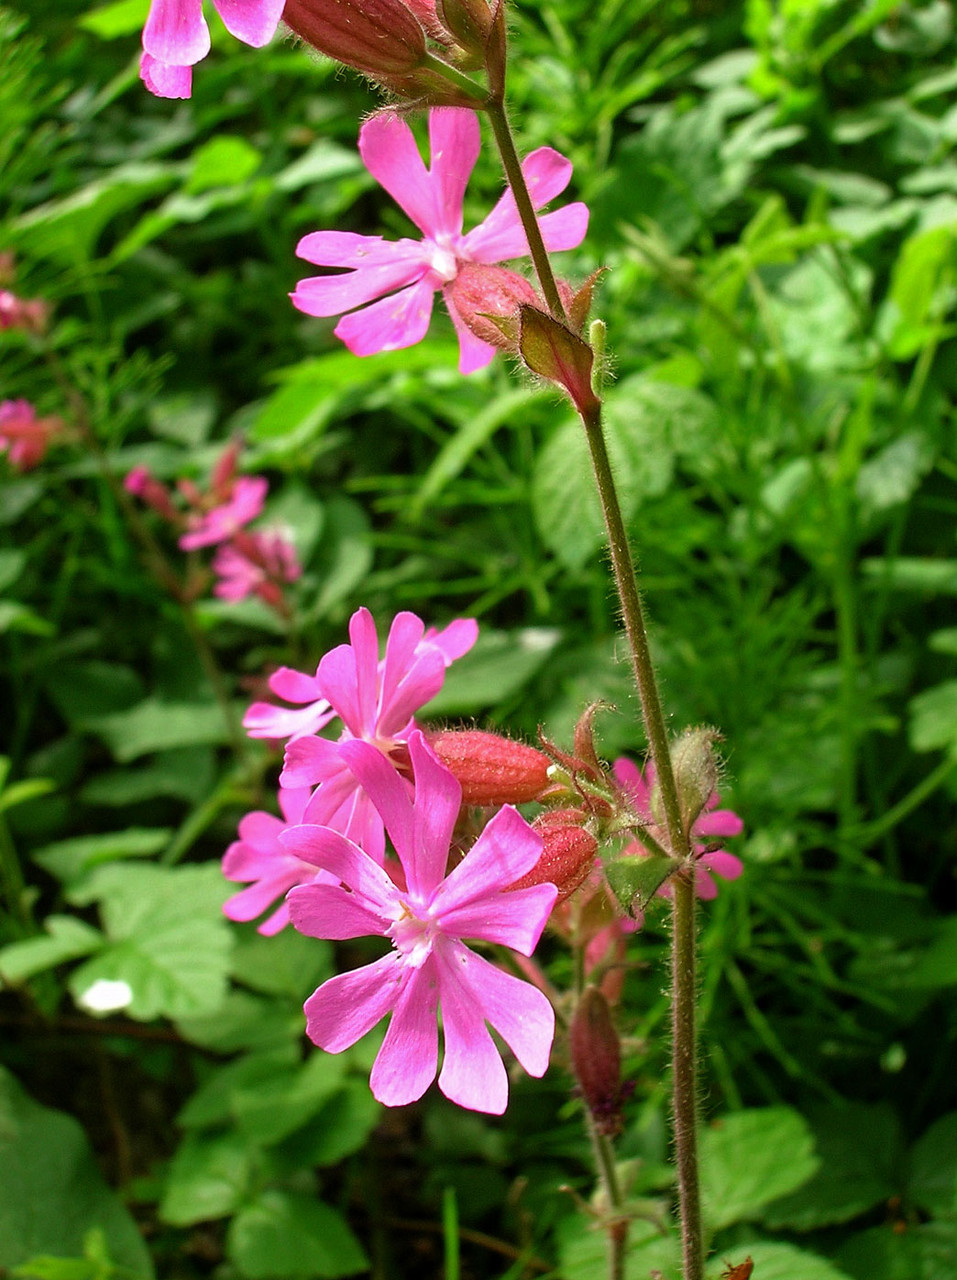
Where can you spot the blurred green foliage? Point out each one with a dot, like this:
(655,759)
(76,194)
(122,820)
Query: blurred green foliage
(774,195)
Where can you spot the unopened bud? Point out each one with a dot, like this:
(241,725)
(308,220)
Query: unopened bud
(487,299)
(555,352)
(491,769)
(379,37)
(568,852)
(696,772)
(596,1060)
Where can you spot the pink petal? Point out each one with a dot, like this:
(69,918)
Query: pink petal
(519,1012)
(421,681)
(389,152)
(398,321)
(704,885)
(365,650)
(404,635)
(164,80)
(349,249)
(329,911)
(506,849)
(294,686)
(252,21)
(721,823)
(473,1074)
(261,830)
(631,780)
(454,640)
(332,295)
(176,32)
(726,865)
(454,140)
(438,799)
(501,235)
(336,678)
(292,802)
(405,1065)
(547,173)
(265,720)
(565,228)
(474,354)
(347,1006)
(309,761)
(514,919)
(325,848)
(386,790)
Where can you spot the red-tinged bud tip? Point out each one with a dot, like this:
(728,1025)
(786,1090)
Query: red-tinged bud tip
(487,299)
(596,1060)
(379,37)
(568,852)
(491,769)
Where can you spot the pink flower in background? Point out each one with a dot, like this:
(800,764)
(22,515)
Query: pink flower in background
(176,37)
(418,269)
(245,503)
(255,564)
(23,436)
(266,720)
(31,314)
(430,970)
(712,823)
(258,857)
(376,702)
(152,492)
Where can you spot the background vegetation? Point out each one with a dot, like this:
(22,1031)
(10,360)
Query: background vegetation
(774,191)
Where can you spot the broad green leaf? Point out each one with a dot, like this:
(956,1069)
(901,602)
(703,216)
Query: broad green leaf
(15,616)
(244,1021)
(53,1192)
(223,161)
(859,1150)
(122,18)
(340,1127)
(891,476)
(749,1158)
(68,860)
(66,938)
(496,669)
(344,555)
(184,773)
(297,513)
(783,1262)
(287,964)
(272,1109)
(288,1233)
(81,691)
(927,1252)
(584,1251)
(154,725)
(213,1103)
(209,1177)
(169,941)
(932,1184)
(12,564)
(933,718)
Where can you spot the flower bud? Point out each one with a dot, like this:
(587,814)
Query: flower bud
(379,37)
(568,852)
(596,1060)
(491,769)
(487,299)
(696,772)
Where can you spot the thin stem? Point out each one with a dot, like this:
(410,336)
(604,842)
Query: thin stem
(526,210)
(468,87)
(684,1055)
(617,1227)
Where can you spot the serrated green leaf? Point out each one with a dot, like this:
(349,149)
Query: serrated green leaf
(927,1252)
(774,1261)
(66,938)
(750,1158)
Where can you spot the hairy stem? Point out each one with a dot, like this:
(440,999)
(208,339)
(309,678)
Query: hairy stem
(685,1060)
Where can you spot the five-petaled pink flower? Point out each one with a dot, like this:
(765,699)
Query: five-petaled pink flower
(418,269)
(376,702)
(429,970)
(245,503)
(176,37)
(712,823)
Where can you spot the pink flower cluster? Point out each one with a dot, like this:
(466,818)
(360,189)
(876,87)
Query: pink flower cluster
(24,437)
(338,799)
(246,562)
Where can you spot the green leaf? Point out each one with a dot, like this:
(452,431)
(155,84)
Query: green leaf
(222,162)
(859,1150)
(15,616)
(24,791)
(170,943)
(154,725)
(291,1234)
(496,669)
(634,881)
(123,18)
(933,1168)
(213,1104)
(750,1158)
(184,773)
(81,691)
(913,573)
(68,860)
(53,1192)
(12,564)
(244,1021)
(933,717)
(341,1127)
(209,1177)
(774,1261)
(287,964)
(891,476)
(927,1252)
(66,939)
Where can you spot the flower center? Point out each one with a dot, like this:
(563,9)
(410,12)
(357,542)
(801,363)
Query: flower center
(413,936)
(445,254)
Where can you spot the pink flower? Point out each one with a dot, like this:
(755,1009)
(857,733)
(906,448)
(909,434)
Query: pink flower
(176,36)
(23,435)
(429,970)
(710,824)
(255,564)
(245,503)
(418,269)
(257,856)
(31,314)
(265,720)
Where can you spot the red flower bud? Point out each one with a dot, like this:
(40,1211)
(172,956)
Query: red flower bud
(491,769)
(379,37)
(487,299)
(596,1060)
(568,852)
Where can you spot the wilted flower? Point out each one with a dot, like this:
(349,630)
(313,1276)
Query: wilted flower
(418,269)
(429,971)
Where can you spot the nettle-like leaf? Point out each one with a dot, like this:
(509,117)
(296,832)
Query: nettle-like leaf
(169,942)
(750,1158)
